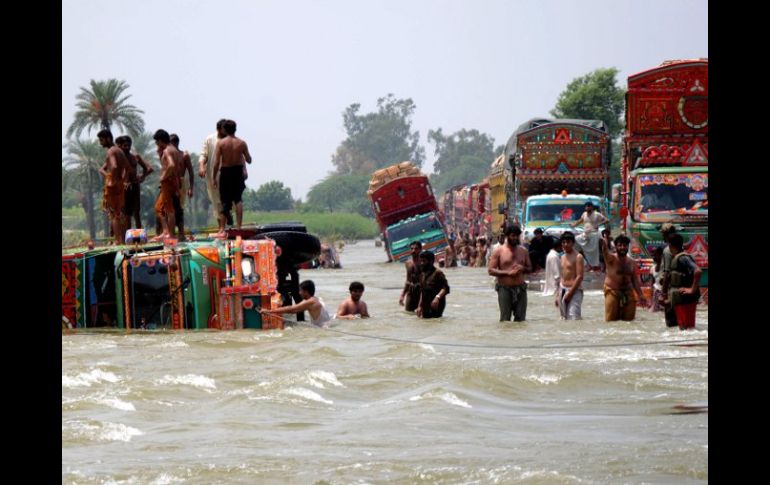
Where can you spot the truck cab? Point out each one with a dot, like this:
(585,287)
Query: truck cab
(555,213)
(426,228)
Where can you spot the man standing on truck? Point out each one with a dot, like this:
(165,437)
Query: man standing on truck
(229,156)
(591,220)
(508,263)
(410,295)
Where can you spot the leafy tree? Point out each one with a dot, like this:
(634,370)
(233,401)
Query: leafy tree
(378,139)
(84,158)
(272,196)
(595,96)
(340,193)
(103,105)
(463,157)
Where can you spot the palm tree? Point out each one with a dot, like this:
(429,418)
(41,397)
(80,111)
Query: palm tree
(85,158)
(103,105)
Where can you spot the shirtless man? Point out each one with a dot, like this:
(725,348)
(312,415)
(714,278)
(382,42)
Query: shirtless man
(569,296)
(185,189)
(169,183)
(508,263)
(230,153)
(319,316)
(115,172)
(133,190)
(353,307)
(620,283)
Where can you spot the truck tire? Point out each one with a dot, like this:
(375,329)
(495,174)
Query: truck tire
(296,247)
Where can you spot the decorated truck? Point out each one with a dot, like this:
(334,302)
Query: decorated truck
(203,284)
(499,194)
(466,208)
(563,162)
(665,160)
(406,210)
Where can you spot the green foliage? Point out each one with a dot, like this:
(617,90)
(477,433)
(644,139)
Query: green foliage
(341,193)
(323,225)
(104,104)
(463,157)
(595,96)
(376,140)
(272,196)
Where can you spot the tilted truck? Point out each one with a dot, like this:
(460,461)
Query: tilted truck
(406,210)
(565,163)
(665,160)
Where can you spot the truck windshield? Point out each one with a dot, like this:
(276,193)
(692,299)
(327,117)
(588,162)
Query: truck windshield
(411,228)
(663,196)
(562,212)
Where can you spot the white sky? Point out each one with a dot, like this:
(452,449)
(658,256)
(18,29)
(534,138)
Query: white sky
(286,70)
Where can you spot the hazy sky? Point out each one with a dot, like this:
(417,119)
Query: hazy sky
(286,70)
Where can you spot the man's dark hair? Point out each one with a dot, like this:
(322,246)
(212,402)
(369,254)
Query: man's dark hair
(567,236)
(512,229)
(539,230)
(589,204)
(221,123)
(416,243)
(308,286)
(428,256)
(229,127)
(622,239)
(356,285)
(119,140)
(174,138)
(105,134)
(676,240)
(161,135)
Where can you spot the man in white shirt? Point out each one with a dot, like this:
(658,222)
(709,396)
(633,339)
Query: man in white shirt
(206,167)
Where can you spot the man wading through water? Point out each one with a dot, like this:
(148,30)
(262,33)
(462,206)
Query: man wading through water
(410,296)
(509,262)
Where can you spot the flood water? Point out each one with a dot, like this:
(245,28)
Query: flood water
(543,401)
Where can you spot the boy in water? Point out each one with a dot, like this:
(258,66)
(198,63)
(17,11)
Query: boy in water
(353,307)
(319,316)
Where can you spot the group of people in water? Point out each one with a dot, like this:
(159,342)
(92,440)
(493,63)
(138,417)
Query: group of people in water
(426,287)
(221,165)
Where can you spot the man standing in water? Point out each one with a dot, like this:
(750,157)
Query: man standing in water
(206,167)
(133,190)
(620,283)
(170,157)
(410,295)
(185,189)
(684,279)
(509,263)
(433,288)
(229,156)
(115,171)
(569,296)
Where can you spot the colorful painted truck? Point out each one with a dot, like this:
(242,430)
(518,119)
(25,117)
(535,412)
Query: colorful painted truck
(466,208)
(500,190)
(209,283)
(665,160)
(565,160)
(406,210)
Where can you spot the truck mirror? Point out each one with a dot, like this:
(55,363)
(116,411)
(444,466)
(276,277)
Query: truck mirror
(616,189)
